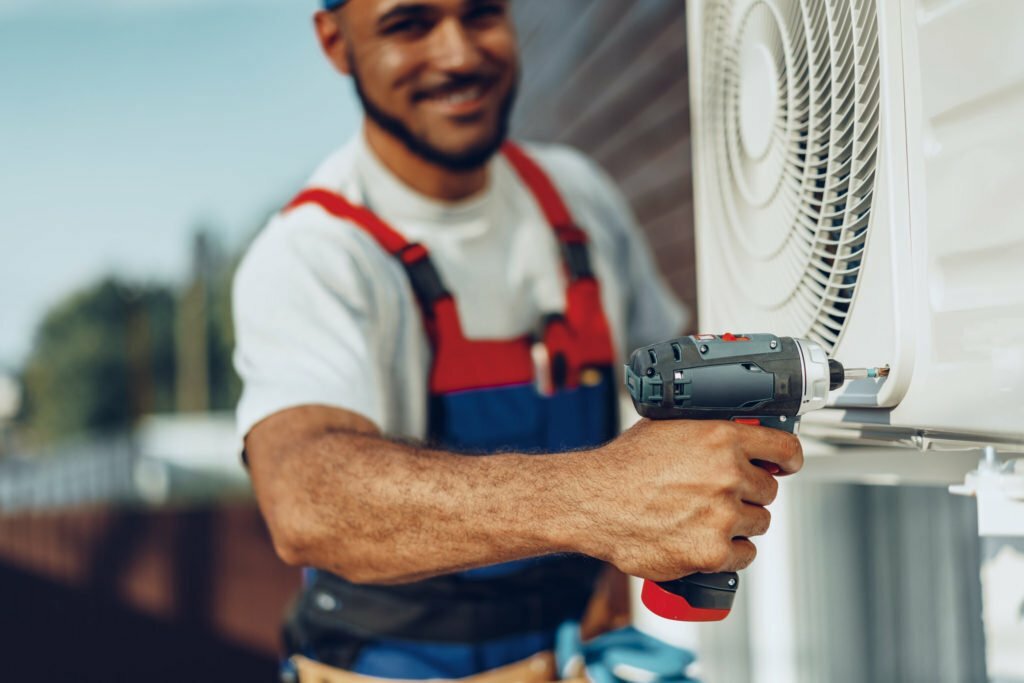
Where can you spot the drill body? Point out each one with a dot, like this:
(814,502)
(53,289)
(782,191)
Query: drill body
(757,379)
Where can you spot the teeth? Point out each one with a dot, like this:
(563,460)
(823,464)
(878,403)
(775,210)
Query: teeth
(462,96)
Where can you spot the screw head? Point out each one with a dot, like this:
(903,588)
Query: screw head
(774,344)
(703,348)
(650,372)
(732,583)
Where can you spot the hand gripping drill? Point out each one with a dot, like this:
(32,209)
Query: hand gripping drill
(756,379)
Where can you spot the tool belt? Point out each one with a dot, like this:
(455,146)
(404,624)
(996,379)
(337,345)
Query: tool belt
(539,668)
(333,618)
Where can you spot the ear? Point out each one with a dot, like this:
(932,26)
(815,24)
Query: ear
(331,35)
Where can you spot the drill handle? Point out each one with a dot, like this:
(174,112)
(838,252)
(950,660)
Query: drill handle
(707,597)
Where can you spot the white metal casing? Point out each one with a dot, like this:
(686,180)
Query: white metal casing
(939,295)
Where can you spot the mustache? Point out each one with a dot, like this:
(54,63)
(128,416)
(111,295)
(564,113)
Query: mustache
(454,83)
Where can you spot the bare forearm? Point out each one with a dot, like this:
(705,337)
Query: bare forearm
(378,511)
(664,500)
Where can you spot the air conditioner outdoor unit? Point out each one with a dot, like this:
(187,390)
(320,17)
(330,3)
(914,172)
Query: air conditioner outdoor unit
(859,180)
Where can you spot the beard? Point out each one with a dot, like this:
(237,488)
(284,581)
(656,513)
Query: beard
(468,159)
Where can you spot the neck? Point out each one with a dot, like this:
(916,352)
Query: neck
(421,175)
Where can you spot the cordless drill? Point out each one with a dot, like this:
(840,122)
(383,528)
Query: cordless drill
(756,379)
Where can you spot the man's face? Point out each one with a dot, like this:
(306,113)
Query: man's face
(439,75)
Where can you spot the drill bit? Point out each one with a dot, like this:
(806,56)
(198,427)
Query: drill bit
(866,373)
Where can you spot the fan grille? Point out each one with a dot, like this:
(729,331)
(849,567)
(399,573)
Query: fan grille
(790,111)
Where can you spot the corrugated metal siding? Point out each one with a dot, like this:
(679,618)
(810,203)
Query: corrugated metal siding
(895,593)
(609,78)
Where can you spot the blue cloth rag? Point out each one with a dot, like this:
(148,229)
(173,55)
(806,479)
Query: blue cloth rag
(623,656)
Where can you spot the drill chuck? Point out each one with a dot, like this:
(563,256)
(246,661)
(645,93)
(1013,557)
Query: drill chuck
(836,374)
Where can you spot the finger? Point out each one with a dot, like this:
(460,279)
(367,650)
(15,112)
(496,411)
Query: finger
(772,445)
(753,521)
(758,487)
(743,554)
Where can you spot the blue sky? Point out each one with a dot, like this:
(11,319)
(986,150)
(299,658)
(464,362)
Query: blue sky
(126,123)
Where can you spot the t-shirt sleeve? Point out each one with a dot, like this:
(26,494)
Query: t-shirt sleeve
(653,312)
(305,329)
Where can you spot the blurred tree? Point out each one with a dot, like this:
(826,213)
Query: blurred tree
(112,352)
(100,359)
(225,386)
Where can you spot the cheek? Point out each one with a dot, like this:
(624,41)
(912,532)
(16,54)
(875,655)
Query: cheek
(387,73)
(396,65)
(501,45)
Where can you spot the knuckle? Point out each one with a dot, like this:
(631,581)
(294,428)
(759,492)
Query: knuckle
(748,556)
(631,564)
(719,434)
(731,477)
(726,519)
(730,481)
(796,451)
(799,455)
(717,558)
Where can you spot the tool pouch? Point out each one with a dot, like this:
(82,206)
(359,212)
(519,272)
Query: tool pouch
(333,618)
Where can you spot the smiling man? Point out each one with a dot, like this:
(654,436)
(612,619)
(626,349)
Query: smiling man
(444,101)
(428,337)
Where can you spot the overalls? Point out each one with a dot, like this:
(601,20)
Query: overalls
(484,398)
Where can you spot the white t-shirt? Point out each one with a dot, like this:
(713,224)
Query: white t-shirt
(323,315)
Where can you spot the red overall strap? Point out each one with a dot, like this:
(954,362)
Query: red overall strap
(543,190)
(589,338)
(583,338)
(387,237)
(459,364)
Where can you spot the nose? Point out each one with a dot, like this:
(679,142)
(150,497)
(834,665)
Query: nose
(454,49)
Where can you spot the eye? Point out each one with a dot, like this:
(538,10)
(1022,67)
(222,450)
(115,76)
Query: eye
(410,27)
(485,12)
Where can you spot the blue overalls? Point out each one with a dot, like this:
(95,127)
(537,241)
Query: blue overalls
(484,398)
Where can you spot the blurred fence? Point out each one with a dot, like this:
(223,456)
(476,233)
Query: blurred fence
(84,472)
(131,564)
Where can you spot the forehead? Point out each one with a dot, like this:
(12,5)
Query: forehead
(375,8)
